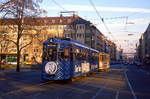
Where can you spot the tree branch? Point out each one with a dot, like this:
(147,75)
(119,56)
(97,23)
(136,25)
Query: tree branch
(11,41)
(25,45)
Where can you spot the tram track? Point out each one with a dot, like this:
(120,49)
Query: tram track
(50,84)
(19,84)
(30,86)
(22,89)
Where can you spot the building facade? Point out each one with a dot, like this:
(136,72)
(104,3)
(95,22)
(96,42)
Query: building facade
(40,29)
(143,49)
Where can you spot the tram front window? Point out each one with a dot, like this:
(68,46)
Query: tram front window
(50,54)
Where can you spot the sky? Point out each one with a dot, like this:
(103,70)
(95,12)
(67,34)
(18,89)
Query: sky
(116,13)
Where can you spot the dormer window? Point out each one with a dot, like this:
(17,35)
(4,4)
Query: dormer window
(60,20)
(69,20)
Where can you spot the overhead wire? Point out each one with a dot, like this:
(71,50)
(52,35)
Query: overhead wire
(105,23)
(59,5)
(97,12)
(99,16)
(102,19)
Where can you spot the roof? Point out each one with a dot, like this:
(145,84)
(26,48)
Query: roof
(67,40)
(62,20)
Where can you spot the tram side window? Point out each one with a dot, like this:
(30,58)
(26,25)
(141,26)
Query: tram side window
(50,54)
(85,54)
(50,51)
(103,57)
(78,54)
(81,54)
(96,56)
(64,54)
(92,56)
(71,54)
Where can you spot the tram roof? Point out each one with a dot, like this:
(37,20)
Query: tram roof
(69,41)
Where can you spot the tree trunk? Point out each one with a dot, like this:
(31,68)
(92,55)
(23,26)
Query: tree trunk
(18,62)
(1,58)
(18,56)
(0,61)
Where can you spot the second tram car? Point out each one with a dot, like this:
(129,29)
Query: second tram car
(65,58)
(104,60)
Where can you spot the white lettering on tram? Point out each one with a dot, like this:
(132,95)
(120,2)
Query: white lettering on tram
(85,67)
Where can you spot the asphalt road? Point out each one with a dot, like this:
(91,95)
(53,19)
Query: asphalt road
(120,82)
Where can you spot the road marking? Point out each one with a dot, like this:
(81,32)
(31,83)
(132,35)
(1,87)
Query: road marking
(99,91)
(132,91)
(117,95)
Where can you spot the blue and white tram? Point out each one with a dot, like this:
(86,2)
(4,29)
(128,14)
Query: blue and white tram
(64,59)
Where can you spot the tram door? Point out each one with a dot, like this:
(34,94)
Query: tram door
(66,60)
(63,53)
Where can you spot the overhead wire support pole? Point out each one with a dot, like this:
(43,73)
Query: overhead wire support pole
(67,12)
(64,10)
(126,23)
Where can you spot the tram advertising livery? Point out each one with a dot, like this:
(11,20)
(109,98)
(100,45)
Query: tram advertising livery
(64,59)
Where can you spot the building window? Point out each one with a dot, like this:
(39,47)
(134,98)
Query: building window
(53,21)
(77,27)
(67,35)
(35,50)
(83,35)
(69,20)
(61,27)
(45,21)
(80,27)
(80,35)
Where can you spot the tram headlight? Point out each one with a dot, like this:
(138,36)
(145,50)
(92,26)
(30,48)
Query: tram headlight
(51,68)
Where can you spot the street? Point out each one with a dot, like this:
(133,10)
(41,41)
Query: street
(120,82)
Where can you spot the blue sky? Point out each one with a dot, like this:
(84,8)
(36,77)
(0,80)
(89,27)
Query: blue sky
(137,11)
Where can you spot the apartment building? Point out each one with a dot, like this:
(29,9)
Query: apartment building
(39,29)
(143,49)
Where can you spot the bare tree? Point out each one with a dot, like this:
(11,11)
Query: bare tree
(19,16)
(3,44)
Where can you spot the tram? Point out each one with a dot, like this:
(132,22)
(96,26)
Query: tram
(64,58)
(104,61)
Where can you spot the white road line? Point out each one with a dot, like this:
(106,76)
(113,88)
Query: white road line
(132,91)
(99,91)
(117,95)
